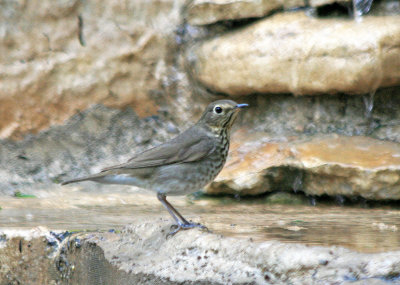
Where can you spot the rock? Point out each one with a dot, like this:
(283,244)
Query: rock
(332,165)
(285,198)
(88,141)
(318,3)
(203,12)
(58,57)
(141,254)
(372,281)
(351,166)
(388,7)
(291,52)
(28,247)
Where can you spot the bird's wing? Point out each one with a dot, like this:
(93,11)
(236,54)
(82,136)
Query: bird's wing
(179,150)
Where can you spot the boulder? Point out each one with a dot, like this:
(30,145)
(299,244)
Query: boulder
(324,165)
(294,53)
(203,12)
(58,57)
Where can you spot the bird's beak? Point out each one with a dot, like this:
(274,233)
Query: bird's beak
(242,105)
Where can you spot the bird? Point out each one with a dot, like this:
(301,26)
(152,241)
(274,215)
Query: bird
(180,166)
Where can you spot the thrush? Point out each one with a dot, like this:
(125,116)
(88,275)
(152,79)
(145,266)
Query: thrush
(182,165)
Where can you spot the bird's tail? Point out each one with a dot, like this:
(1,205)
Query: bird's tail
(86,178)
(74,180)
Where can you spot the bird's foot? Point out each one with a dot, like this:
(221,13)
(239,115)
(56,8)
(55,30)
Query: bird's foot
(185,226)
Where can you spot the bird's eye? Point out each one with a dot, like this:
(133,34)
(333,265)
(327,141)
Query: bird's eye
(218,110)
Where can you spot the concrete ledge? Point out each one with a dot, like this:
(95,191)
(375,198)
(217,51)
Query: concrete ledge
(142,254)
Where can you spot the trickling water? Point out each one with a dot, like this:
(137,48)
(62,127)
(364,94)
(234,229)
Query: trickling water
(298,183)
(369,107)
(361,7)
(339,200)
(313,201)
(369,104)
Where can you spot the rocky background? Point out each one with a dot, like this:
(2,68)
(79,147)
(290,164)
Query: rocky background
(84,85)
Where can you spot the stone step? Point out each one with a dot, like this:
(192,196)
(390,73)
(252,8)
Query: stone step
(141,254)
(332,165)
(294,53)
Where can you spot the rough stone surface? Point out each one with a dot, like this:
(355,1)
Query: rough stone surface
(24,257)
(387,7)
(51,65)
(317,3)
(282,116)
(334,165)
(143,255)
(293,53)
(88,142)
(203,12)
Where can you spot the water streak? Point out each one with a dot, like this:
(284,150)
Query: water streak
(369,107)
(360,8)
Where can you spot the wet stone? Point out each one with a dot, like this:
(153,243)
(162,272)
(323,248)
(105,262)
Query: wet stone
(324,165)
(321,56)
(286,198)
(141,254)
(203,12)
(77,209)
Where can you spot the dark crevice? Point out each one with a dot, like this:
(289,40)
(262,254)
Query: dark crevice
(80,31)
(334,10)
(312,200)
(236,24)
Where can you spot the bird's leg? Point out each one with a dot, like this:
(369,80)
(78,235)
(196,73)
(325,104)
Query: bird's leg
(168,206)
(175,211)
(182,223)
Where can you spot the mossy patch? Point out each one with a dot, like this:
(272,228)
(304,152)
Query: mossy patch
(19,194)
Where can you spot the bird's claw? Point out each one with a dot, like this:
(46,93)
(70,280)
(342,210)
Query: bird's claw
(173,227)
(185,226)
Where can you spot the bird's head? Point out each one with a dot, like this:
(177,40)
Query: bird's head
(221,114)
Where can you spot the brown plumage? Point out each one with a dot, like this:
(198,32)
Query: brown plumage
(182,165)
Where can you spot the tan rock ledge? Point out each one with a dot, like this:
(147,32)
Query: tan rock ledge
(204,12)
(141,254)
(332,165)
(293,53)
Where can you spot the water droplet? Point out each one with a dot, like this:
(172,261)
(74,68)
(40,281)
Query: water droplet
(339,200)
(361,7)
(298,183)
(369,103)
(369,107)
